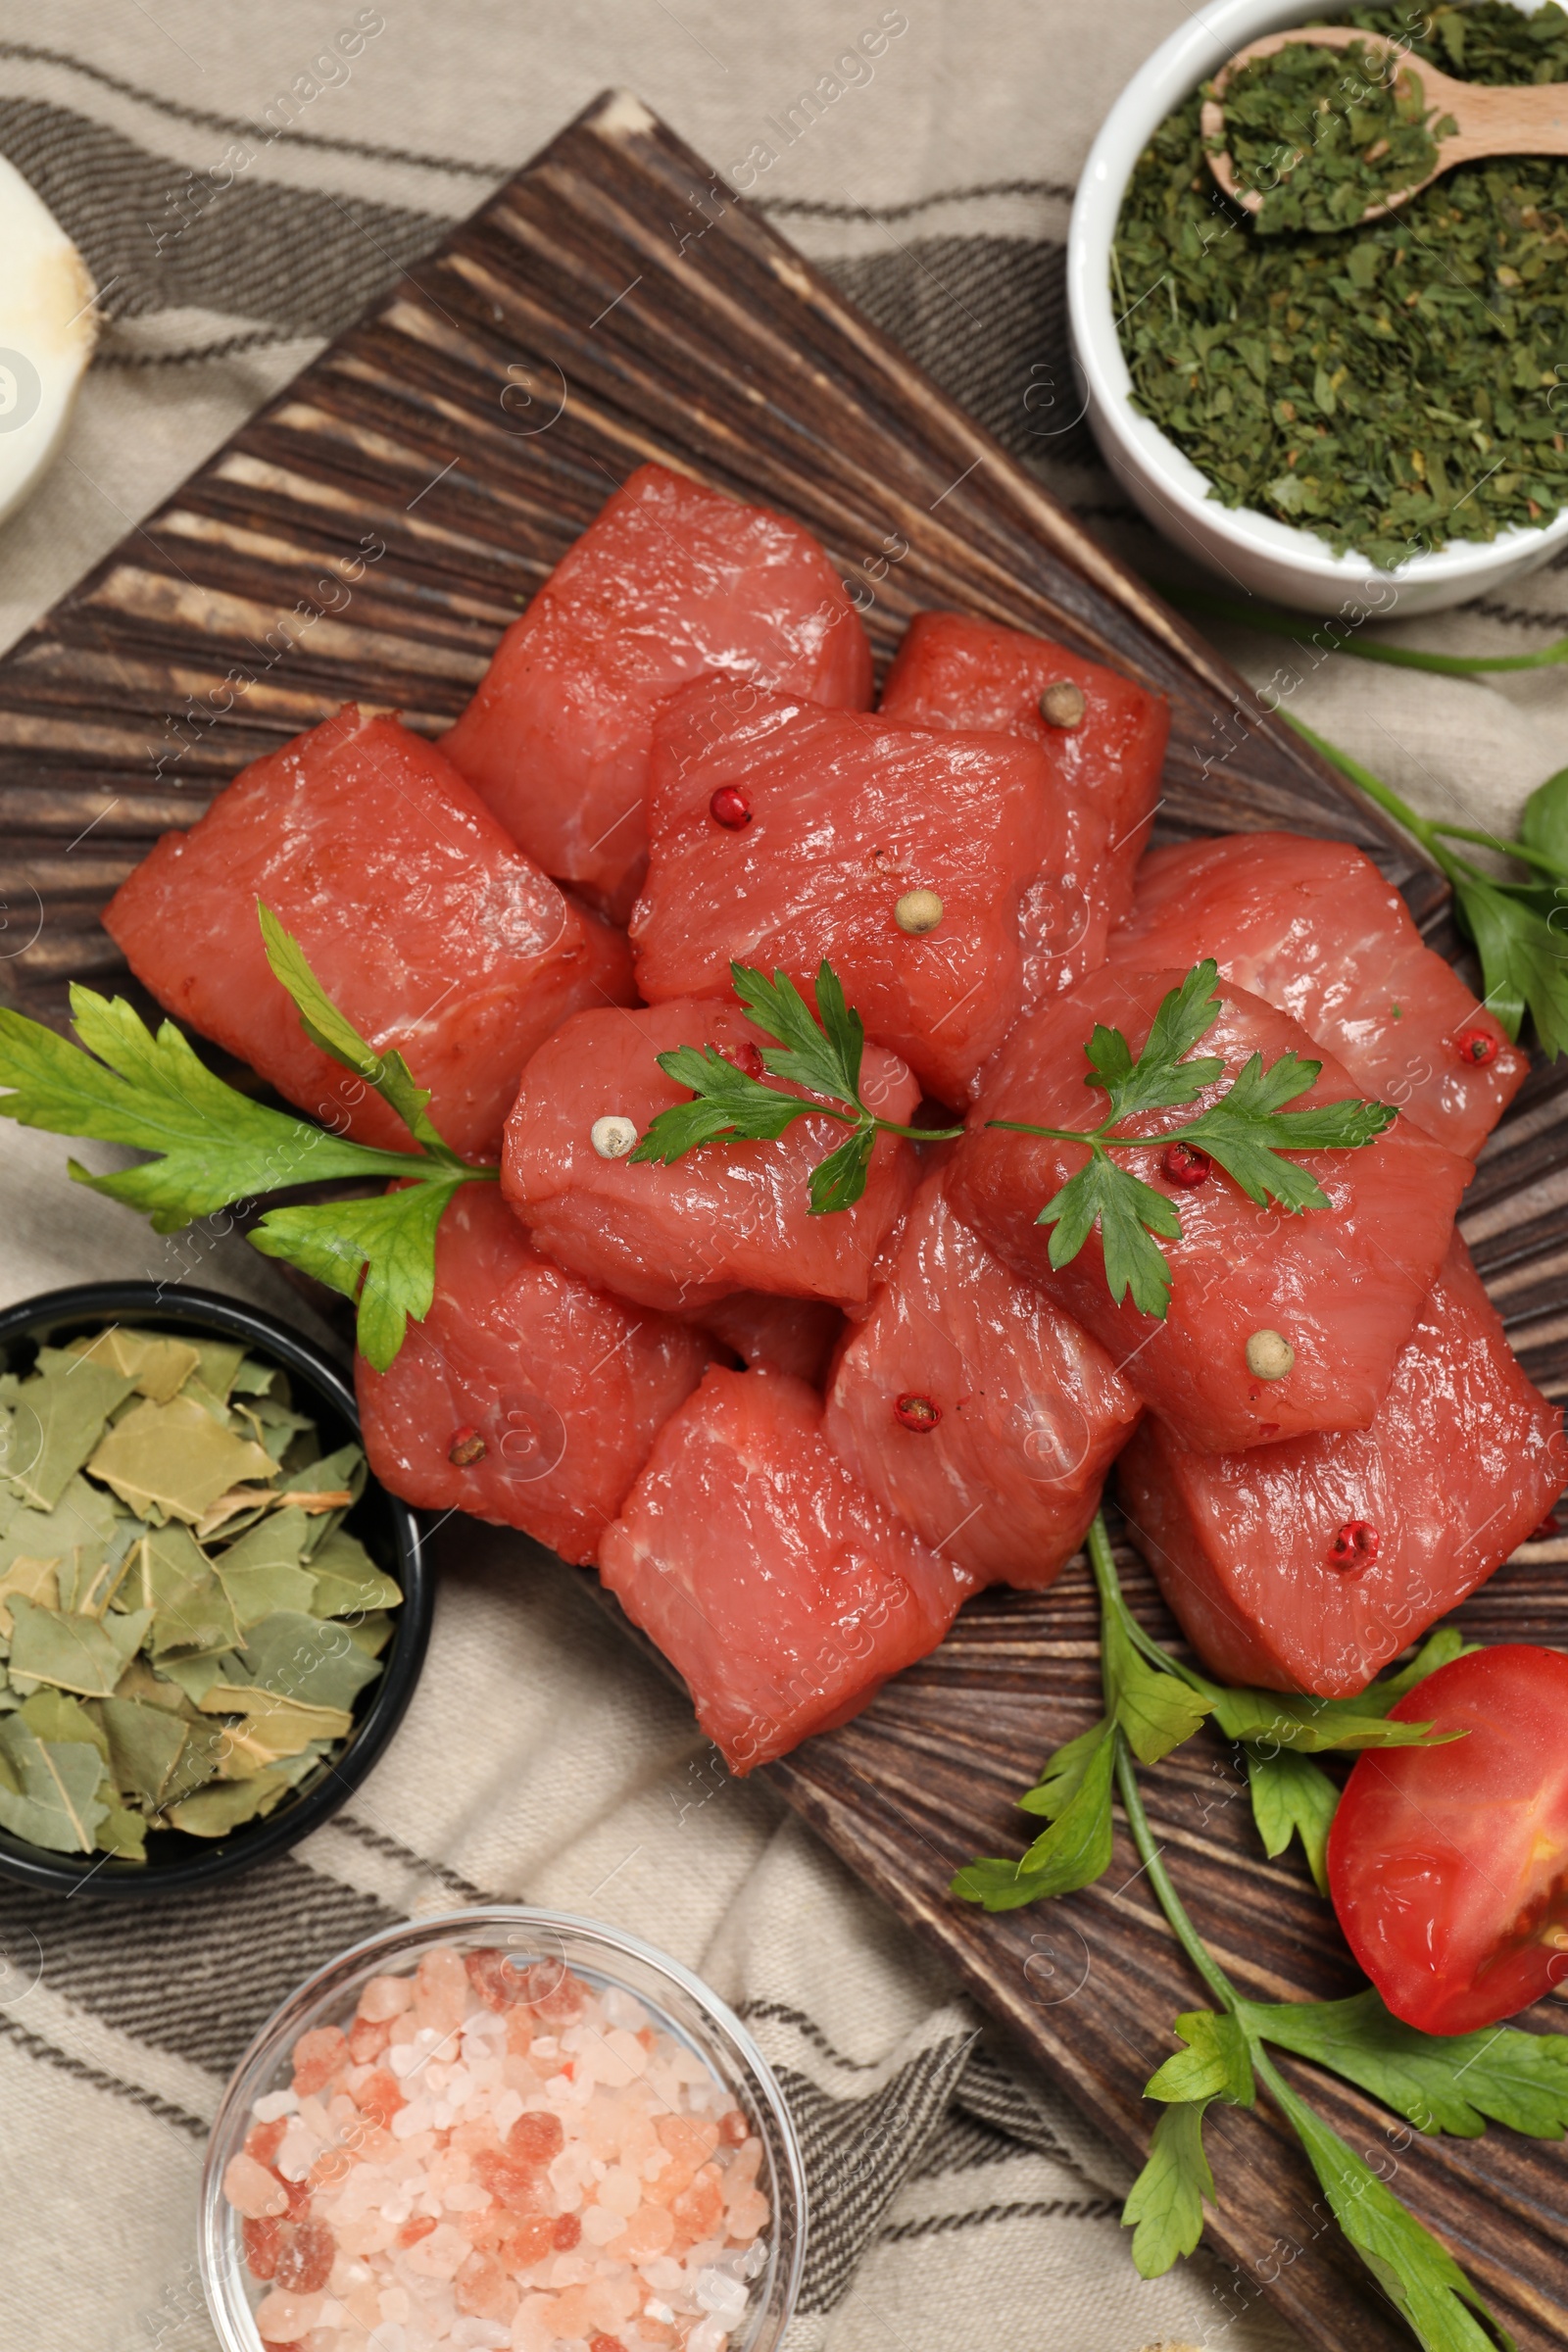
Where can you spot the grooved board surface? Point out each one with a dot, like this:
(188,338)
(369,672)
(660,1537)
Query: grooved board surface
(369,534)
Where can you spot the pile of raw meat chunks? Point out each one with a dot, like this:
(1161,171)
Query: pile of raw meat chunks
(795,1443)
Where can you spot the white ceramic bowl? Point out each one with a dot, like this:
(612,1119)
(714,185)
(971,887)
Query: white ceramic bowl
(1238,544)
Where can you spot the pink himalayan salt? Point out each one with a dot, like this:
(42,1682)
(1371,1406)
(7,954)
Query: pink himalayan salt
(317,2056)
(384,1998)
(284,2319)
(252,2190)
(520,2161)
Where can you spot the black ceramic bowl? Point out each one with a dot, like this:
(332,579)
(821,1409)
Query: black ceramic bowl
(386,1528)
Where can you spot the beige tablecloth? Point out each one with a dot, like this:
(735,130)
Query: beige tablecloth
(242,180)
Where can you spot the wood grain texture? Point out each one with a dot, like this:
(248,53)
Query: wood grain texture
(369,534)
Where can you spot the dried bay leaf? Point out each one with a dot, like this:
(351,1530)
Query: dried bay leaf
(145,1745)
(212,1812)
(371,1634)
(36,1581)
(175,1580)
(175,1458)
(140,1682)
(284,1723)
(121,1831)
(58,1419)
(58,1806)
(328,1485)
(273,1426)
(159,1366)
(72,1654)
(195,1677)
(306,1658)
(218,1366)
(128,1631)
(83,1517)
(256,1378)
(261,1571)
(56,1715)
(348,1580)
(212,1406)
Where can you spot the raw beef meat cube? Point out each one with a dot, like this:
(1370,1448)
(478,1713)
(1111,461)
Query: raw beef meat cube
(782,1593)
(526,1397)
(1312,927)
(971,1406)
(1105,769)
(670,582)
(728,1216)
(1306,1566)
(1341,1285)
(841,817)
(419,916)
(792,1335)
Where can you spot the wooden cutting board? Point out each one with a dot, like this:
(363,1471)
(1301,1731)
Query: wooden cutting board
(369,534)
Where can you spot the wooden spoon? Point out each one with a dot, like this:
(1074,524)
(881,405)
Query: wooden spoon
(1510,119)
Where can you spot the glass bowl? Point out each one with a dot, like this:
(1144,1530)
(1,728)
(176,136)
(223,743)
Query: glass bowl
(676,2001)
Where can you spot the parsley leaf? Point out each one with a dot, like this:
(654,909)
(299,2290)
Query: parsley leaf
(837,1181)
(1216,2063)
(1159,1077)
(1073,1853)
(820,1051)
(825,1059)
(1164,2208)
(1128,1211)
(1156,1708)
(726,1106)
(1451,2083)
(213,1145)
(335,1034)
(1292,1796)
(1522,958)
(1279,1718)
(380,1252)
(1523,963)
(1063,1774)
(1419,2275)
(1245,1129)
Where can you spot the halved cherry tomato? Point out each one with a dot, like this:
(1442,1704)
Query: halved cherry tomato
(1449,1866)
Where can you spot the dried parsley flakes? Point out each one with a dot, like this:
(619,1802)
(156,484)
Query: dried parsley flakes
(1388,388)
(186,1622)
(1322,134)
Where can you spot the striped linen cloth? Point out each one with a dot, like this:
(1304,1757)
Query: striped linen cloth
(242,182)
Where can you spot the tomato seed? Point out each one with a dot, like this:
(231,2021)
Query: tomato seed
(465,1446)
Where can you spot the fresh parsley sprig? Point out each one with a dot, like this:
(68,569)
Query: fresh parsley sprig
(822,1053)
(1247,1129)
(213,1147)
(1436,2083)
(1520,928)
